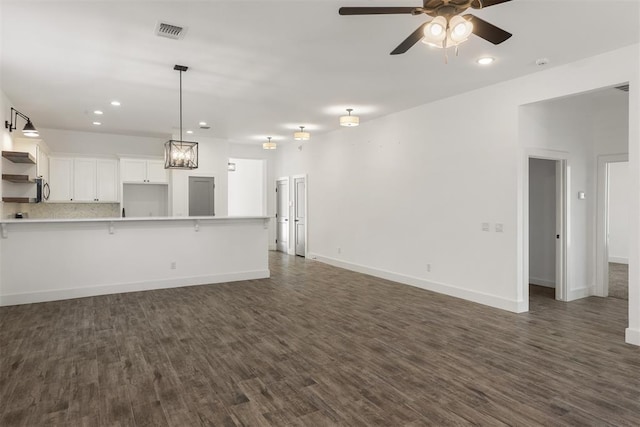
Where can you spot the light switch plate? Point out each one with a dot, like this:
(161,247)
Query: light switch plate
(486,226)
(499,228)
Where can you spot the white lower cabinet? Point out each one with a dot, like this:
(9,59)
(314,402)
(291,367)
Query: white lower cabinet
(83,180)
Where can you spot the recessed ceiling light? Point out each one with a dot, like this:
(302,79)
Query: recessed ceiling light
(97,123)
(189,131)
(98,112)
(202,124)
(115,103)
(486,60)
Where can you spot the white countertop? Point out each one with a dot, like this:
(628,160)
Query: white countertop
(138,219)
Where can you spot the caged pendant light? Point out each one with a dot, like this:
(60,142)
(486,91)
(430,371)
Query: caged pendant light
(179,154)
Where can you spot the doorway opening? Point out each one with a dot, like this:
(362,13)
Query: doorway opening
(613,226)
(282,215)
(300,215)
(547,226)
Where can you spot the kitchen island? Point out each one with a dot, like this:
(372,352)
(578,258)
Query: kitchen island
(47,260)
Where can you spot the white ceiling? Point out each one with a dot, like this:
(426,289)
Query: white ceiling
(262,68)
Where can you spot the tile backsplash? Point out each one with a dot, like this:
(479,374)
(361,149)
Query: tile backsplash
(62,210)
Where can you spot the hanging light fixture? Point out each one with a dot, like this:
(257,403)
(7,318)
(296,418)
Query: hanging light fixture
(180,154)
(349,120)
(269,145)
(443,33)
(28,130)
(302,135)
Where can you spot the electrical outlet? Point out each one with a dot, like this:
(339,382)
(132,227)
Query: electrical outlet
(339,250)
(428,268)
(486,226)
(499,228)
(173,265)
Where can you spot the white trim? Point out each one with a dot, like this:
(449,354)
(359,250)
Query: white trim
(575,294)
(306,214)
(563,182)
(632,336)
(542,282)
(275,245)
(602,218)
(62,294)
(619,260)
(442,288)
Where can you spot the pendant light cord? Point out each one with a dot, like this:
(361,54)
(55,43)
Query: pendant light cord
(181,106)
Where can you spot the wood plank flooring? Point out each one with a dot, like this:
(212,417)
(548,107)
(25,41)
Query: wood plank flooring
(313,346)
(619,280)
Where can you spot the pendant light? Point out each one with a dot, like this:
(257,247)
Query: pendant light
(269,145)
(302,135)
(349,120)
(180,154)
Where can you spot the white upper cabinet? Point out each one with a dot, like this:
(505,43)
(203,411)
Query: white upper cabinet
(83,180)
(60,179)
(107,180)
(141,171)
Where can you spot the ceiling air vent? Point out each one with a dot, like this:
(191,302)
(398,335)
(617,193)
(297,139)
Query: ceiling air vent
(171,31)
(624,88)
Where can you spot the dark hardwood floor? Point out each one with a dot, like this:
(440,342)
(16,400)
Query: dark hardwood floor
(312,346)
(619,280)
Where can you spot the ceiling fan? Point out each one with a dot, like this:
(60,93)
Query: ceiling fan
(448,27)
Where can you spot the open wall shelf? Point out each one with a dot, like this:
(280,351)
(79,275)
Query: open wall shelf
(19,157)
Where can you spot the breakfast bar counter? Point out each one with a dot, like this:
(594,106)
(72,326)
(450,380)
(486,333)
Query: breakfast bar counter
(45,260)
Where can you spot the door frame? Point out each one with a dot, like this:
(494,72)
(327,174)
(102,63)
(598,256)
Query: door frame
(602,221)
(288,181)
(562,221)
(306,218)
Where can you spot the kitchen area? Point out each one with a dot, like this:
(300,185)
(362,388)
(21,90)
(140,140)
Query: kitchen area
(102,215)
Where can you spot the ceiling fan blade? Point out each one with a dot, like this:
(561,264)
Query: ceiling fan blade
(410,41)
(487,31)
(479,4)
(375,10)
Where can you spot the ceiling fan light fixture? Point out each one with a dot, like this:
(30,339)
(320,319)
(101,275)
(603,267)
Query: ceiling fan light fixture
(349,120)
(459,29)
(269,145)
(435,31)
(302,135)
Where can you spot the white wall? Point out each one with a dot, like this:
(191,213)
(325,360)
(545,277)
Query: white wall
(247,187)
(145,200)
(417,185)
(101,144)
(619,212)
(542,222)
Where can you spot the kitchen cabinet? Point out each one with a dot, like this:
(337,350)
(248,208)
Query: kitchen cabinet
(143,171)
(60,179)
(83,180)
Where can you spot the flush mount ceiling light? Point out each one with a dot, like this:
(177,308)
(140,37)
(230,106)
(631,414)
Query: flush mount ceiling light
(180,154)
(28,130)
(349,120)
(269,145)
(302,135)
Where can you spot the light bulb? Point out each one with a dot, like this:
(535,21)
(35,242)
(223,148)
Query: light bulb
(436,29)
(461,29)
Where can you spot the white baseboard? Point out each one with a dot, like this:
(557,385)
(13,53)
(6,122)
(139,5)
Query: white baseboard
(542,282)
(273,247)
(91,291)
(619,260)
(632,336)
(581,293)
(442,288)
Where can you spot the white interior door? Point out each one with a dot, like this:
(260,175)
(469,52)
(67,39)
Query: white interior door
(282,215)
(300,213)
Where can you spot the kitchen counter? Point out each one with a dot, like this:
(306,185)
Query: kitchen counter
(53,259)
